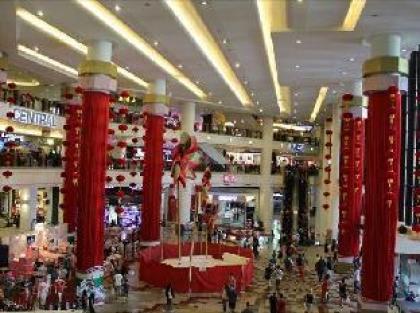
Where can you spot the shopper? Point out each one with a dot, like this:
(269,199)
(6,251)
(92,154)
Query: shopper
(232,297)
(342,291)
(92,301)
(320,268)
(281,304)
(169,294)
(273,302)
(118,280)
(84,301)
(324,289)
(356,280)
(300,266)
(309,301)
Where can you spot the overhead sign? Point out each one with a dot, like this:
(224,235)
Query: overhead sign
(31,117)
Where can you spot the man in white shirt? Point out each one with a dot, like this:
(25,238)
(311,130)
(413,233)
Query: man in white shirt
(118,283)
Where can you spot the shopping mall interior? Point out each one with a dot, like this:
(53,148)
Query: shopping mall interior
(210,155)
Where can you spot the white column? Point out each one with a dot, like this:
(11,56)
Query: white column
(266,189)
(385,45)
(185,194)
(29,204)
(335,175)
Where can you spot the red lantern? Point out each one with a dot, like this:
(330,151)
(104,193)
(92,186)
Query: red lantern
(78,90)
(68,96)
(327,181)
(121,162)
(108,179)
(120,194)
(7,174)
(326,206)
(11,85)
(347,115)
(133,173)
(135,140)
(135,129)
(123,111)
(328,156)
(120,178)
(119,210)
(329,119)
(7,188)
(132,185)
(174,140)
(122,127)
(111,131)
(121,144)
(329,132)
(328,169)
(9,129)
(11,100)
(328,144)
(347,97)
(124,94)
(326,194)
(10,114)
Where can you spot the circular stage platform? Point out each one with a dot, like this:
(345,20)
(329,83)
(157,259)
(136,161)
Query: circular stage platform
(199,273)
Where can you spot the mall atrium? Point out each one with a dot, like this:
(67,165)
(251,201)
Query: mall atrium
(210,156)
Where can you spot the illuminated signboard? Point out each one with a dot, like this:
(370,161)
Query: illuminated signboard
(26,116)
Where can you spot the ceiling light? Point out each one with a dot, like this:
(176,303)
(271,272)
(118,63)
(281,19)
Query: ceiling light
(245,82)
(155,43)
(203,2)
(318,103)
(237,64)
(296,94)
(294,127)
(353,15)
(197,82)
(295,111)
(252,93)
(334,92)
(117,8)
(297,66)
(209,93)
(193,24)
(260,110)
(266,20)
(344,72)
(180,66)
(36,48)
(220,102)
(127,68)
(46,61)
(351,59)
(224,41)
(40,13)
(404,50)
(140,44)
(32,83)
(70,41)
(300,1)
(298,41)
(258,103)
(242,121)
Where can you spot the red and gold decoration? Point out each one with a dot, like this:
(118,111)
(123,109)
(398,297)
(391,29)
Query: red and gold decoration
(383,140)
(327,169)
(71,161)
(351,179)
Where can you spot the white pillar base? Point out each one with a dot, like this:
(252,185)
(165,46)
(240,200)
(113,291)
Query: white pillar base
(373,307)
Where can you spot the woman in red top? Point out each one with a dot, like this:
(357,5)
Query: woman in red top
(324,288)
(281,304)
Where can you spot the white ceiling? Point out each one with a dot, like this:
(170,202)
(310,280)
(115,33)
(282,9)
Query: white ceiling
(323,55)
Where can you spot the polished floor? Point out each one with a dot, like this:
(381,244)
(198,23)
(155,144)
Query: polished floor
(143,298)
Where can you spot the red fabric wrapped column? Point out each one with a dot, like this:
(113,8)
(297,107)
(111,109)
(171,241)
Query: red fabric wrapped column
(154,111)
(383,132)
(92,168)
(351,177)
(152,180)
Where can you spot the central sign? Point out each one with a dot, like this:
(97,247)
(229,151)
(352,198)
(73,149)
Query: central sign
(32,117)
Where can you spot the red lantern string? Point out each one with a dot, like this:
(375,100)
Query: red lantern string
(122,127)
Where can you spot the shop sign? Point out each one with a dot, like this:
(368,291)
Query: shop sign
(298,147)
(26,116)
(229,179)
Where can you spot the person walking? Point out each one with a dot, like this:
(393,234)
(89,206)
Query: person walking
(324,289)
(320,268)
(281,304)
(356,280)
(169,294)
(232,297)
(309,301)
(342,291)
(273,302)
(84,301)
(91,301)
(300,263)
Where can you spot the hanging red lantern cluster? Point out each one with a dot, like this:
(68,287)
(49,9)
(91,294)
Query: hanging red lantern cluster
(71,162)
(327,169)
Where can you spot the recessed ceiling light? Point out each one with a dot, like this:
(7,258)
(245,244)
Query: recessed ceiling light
(203,2)
(404,50)
(260,110)
(180,66)
(295,111)
(258,103)
(246,82)
(155,43)
(220,102)
(127,68)
(300,1)
(117,8)
(334,91)
(234,122)
(40,13)
(197,82)
(296,94)
(252,93)
(242,121)
(36,48)
(351,59)
(237,64)
(297,66)
(210,93)
(224,41)
(298,41)
(344,72)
